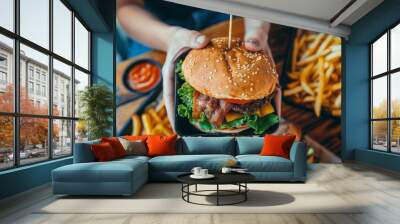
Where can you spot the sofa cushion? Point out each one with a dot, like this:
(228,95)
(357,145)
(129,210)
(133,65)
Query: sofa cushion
(208,145)
(185,163)
(161,145)
(112,171)
(249,145)
(277,145)
(257,163)
(103,152)
(116,145)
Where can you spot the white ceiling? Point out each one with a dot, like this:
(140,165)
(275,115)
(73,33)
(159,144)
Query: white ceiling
(320,9)
(318,15)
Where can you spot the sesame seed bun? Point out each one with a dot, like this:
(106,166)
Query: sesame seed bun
(233,73)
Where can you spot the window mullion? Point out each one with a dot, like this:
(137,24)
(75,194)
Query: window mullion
(389,101)
(16,84)
(50,81)
(73,82)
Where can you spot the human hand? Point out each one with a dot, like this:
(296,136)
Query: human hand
(181,41)
(256,39)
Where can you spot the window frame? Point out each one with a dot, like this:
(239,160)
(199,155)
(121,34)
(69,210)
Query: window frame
(388,74)
(16,115)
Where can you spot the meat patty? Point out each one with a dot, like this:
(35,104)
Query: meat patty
(249,107)
(216,110)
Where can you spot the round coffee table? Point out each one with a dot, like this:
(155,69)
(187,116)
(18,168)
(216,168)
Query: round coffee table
(238,179)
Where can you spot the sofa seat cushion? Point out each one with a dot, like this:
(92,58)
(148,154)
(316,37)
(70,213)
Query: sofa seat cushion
(113,171)
(185,163)
(257,163)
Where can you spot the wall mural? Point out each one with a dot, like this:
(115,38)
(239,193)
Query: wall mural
(249,78)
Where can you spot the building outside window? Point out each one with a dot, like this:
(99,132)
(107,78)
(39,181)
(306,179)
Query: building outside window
(385,94)
(30,87)
(58,125)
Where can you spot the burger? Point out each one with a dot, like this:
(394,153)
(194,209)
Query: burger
(227,90)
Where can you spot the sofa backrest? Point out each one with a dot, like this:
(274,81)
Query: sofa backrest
(249,145)
(83,152)
(206,145)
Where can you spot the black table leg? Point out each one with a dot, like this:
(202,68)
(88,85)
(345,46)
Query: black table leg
(217,194)
(195,188)
(245,193)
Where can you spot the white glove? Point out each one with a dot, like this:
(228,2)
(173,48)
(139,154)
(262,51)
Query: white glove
(181,41)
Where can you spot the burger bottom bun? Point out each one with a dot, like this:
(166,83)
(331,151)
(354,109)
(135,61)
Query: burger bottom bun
(226,131)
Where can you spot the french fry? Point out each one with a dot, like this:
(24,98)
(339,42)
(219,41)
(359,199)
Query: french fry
(325,44)
(321,84)
(292,84)
(313,46)
(316,72)
(303,79)
(289,92)
(137,125)
(312,58)
(154,116)
(146,123)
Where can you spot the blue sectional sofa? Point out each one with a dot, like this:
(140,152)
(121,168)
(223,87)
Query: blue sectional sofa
(125,176)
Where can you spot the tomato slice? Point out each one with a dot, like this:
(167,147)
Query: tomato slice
(195,112)
(236,101)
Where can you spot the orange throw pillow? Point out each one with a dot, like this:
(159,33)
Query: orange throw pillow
(136,137)
(103,152)
(116,145)
(161,145)
(277,145)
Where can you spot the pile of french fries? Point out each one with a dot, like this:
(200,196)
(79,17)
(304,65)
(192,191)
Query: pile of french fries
(315,76)
(152,122)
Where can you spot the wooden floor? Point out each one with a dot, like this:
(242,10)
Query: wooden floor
(379,189)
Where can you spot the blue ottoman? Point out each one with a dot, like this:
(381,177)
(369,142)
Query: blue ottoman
(118,177)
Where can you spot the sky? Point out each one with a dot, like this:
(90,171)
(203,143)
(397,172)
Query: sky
(34,23)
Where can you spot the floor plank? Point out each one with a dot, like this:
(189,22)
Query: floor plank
(376,189)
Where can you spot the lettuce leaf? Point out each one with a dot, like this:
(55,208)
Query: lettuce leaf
(259,124)
(178,70)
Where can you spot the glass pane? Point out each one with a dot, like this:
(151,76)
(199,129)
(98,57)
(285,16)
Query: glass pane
(81,81)
(33,139)
(395,94)
(35,21)
(62,138)
(81,131)
(62,89)
(81,45)
(62,29)
(379,97)
(379,135)
(379,55)
(395,47)
(6,74)
(34,92)
(7,14)
(395,135)
(6,142)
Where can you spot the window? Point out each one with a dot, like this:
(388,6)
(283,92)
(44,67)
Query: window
(30,87)
(3,78)
(30,72)
(7,14)
(385,94)
(45,73)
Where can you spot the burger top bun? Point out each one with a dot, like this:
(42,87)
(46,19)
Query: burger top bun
(233,73)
